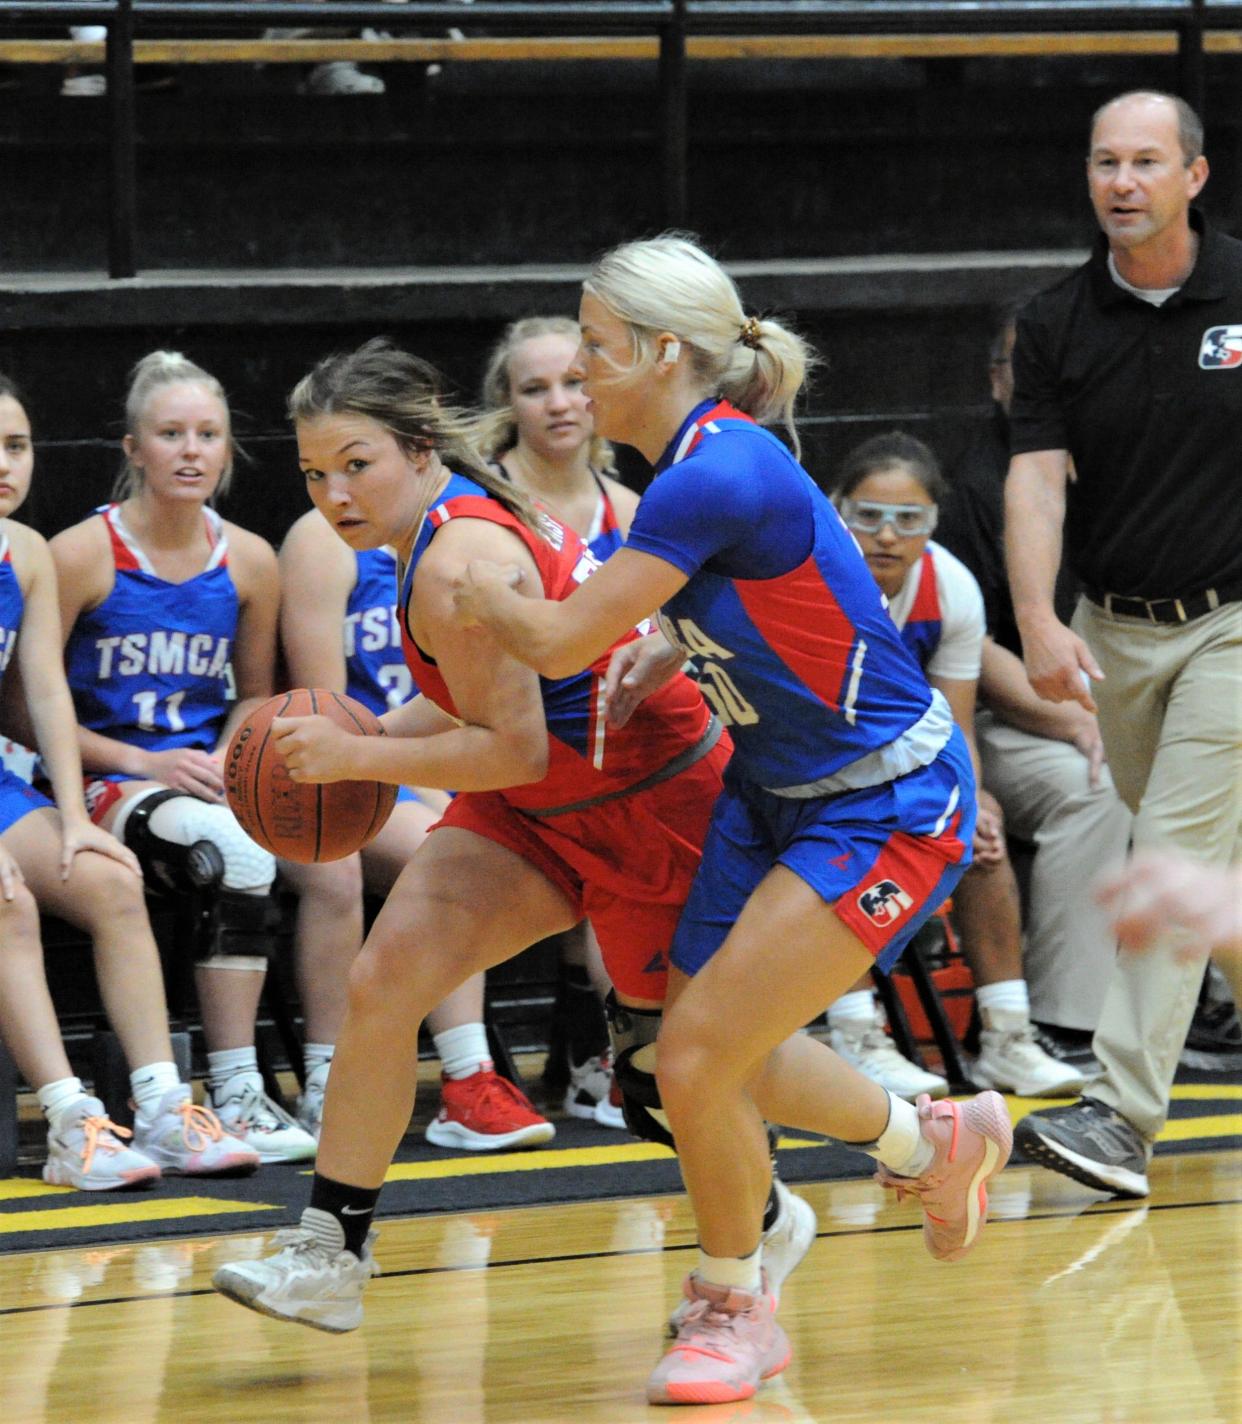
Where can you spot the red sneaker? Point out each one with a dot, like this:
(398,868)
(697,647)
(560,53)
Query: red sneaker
(485,1112)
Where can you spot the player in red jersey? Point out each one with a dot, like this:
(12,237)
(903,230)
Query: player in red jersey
(559,815)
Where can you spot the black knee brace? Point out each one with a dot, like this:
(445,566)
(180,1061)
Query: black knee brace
(239,926)
(630,1031)
(181,869)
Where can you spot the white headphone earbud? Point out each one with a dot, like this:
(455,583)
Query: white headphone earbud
(670,352)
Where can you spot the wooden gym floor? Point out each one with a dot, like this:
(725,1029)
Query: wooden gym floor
(1074,1309)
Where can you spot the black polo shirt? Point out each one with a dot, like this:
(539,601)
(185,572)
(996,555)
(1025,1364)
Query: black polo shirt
(1148,401)
(972,526)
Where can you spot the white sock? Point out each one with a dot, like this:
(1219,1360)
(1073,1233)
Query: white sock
(150,1083)
(56,1096)
(227,1063)
(463,1051)
(731,1272)
(856,1007)
(315,1055)
(1009,996)
(901,1146)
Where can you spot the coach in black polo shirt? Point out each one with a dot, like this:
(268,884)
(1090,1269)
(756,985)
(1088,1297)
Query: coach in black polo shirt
(1132,367)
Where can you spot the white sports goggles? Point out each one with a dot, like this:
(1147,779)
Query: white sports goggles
(868,516)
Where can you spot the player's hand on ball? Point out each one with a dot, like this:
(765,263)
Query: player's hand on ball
(314,748)
(474,592)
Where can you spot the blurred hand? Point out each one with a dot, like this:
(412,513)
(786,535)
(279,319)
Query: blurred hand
(1160,892)
(1059,665)
(1088,741)
(989,842)
(85,835)
(475,591)
(186,769)
(635,671)
(10,875)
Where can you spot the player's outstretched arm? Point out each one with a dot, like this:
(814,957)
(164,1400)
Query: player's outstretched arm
(560,639)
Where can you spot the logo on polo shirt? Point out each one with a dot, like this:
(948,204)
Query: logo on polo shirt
(1221,348)
(884,902)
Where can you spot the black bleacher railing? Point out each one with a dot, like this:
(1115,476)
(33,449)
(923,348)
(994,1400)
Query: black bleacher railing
(673,22)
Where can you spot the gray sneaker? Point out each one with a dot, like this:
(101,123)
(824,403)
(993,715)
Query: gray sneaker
(1091,1143)
(311,1280)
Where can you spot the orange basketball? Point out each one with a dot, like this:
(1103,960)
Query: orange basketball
(300,820)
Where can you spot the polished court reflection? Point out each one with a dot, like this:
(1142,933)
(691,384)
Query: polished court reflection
(1074,1308)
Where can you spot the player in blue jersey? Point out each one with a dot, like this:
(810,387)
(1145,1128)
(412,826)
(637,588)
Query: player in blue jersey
(326,590)
(848,806)
(169,616)
(536,427)
(888,493)
(53,857)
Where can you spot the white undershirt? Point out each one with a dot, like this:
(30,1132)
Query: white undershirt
(1157,296)
(959,653)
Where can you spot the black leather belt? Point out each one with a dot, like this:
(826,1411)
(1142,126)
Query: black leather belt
(1162,610)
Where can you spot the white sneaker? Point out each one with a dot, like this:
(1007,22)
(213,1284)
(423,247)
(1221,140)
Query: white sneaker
(247,1112)
(784,1244)
(83,86)
(590,1093)
(311,1280)
(185,1140)
(340,76)
(872,1051)
(789,1237)
(310,1100)
(1011,1059)
(85,1150)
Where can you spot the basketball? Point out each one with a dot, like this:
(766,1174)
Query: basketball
(299,820)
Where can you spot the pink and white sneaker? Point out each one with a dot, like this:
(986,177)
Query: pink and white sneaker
(972,1142)
(727,1342)
(186,1140)
(85,1149)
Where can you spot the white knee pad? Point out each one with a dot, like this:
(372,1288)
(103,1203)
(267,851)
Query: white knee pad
(186,819)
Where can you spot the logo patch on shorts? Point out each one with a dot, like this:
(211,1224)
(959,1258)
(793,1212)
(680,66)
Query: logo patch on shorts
(1221,348)
(884,902)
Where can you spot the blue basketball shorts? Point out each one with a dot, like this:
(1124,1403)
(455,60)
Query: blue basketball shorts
(17,799)
(884,858)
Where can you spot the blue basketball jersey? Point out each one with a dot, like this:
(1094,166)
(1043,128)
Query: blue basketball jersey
(796,651)
(375,669)
(150,666)
(12,604)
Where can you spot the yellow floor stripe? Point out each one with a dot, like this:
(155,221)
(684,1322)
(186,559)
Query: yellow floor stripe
(1205,1092)
(527,1161)
(1181,1128)
(15,1188)
(160,1209)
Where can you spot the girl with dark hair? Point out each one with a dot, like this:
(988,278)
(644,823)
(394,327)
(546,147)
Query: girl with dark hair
(888,493)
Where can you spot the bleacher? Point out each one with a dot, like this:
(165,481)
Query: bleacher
(889,173)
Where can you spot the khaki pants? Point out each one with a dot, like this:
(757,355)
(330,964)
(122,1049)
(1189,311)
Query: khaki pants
(1171,718)
(1077,830)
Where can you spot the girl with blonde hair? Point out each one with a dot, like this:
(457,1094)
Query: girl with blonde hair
(848,805)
